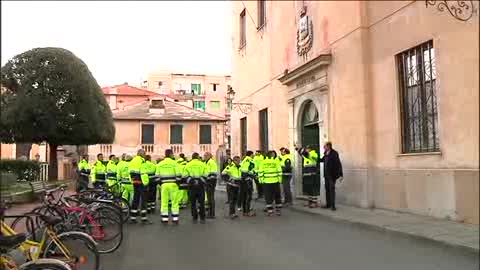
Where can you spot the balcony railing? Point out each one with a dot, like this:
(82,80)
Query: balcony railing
(177,148)
(205,148)
(148,148)
(106,149)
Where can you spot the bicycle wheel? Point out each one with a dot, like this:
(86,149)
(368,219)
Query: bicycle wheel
(124,206)
(107,232)
(109,211)
(45,264)
(81,247)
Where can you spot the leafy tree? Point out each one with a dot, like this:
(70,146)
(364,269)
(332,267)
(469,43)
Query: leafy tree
(49,94)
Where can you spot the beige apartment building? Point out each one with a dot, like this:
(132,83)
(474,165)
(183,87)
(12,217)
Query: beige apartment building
(156,124)
(199,91)
(393,84)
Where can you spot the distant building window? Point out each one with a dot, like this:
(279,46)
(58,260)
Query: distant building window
(160,83)
(263,129)
(147,133)
(176,134)
(196,89)
(214,86)
(419,113)
(215,104)
(199,105)
(262,13)
(243,29)
(205,134)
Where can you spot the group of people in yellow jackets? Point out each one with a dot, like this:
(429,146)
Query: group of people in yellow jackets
(268,172)
(176,181)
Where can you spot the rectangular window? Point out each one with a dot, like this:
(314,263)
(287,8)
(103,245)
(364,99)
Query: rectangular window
(196,89)
(262,13)
(263,129)
(214,86)
(176,134)
(205,134)
(199,105)
(160,83)
(419,113)
(243,136)
(243,29)
(215,104)
(147,133)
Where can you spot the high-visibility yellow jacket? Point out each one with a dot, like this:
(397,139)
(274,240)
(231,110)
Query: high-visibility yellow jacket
(84,166)
(168,170)
(122,171)
(111,170)
(234,173)
(247,166)
(137,167)
(212,168)
(195,170)
(98,168)
(270,171)
(257,160)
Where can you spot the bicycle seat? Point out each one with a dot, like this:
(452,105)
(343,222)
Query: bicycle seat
(51,220)
(12,241)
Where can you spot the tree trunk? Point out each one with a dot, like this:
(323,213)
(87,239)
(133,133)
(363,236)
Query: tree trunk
(23,149)
(53,163)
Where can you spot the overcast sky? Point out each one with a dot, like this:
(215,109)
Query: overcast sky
(123,41)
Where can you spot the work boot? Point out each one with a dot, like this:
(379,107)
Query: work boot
(233,216)
(278,213)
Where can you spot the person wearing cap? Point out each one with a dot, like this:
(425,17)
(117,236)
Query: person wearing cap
(152,185)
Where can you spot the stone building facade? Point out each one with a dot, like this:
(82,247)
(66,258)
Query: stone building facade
(393,84)
(200,91)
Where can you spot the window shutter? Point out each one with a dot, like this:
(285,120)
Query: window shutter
(205,134)
(176,134)
(147,133)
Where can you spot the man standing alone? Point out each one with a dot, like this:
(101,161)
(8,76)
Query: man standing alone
(332,169)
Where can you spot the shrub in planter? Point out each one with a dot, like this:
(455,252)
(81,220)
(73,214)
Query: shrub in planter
(27,170)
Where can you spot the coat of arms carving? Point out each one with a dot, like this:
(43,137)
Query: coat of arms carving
(304,33)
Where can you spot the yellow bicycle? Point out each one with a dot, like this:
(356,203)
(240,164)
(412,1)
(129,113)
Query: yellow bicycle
(7,262)
(58,246)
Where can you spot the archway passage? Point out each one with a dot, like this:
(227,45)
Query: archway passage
(310,129)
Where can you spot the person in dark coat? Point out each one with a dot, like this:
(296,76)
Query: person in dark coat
(332,170)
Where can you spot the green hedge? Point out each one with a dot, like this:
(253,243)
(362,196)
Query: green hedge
(24,169)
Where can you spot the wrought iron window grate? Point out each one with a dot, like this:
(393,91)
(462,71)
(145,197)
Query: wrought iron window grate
(417,80)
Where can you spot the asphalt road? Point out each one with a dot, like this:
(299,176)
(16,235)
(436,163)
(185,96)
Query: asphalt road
(293,241)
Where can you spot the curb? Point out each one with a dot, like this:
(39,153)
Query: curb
(386,230)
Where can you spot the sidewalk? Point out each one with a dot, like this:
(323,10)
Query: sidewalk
(459,235)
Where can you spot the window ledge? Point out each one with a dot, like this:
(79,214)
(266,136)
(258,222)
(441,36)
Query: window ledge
(420,154)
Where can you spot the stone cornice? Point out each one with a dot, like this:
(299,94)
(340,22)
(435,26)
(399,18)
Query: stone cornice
(290,76)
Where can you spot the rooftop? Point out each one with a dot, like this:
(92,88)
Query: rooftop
(126,90)
(172,111)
